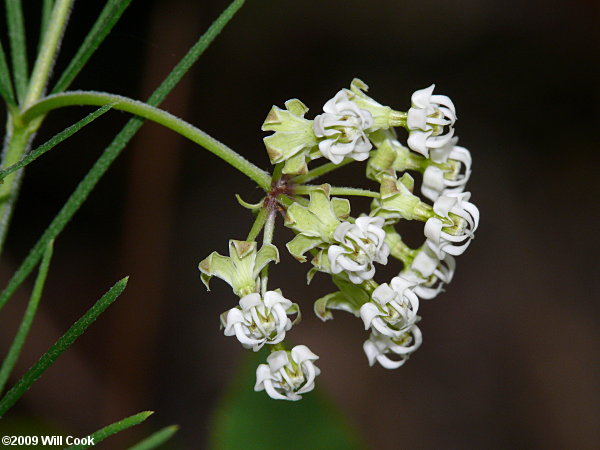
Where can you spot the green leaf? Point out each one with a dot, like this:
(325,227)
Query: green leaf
(53,142)
(156,439)
(15,349)
(6,89)
(45,20)
(246,419)
(109,16)
(103,163)
(18,50)
(114,428)
(62,344)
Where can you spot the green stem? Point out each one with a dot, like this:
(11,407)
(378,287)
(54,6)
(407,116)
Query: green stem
(267,239)
(17,141)
(338,191)
(114,149)
(320,171)
(19,137)
(258,225)
(164,118)
(48,50)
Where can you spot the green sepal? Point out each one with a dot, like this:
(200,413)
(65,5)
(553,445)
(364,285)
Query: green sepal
(251,206)
(383,116)
(241,269)
(293,138)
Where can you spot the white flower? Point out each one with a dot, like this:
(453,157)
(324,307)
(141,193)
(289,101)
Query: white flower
(343,126)
(361,244)
(257,321)
(288,374)
(392,310)
(443,243)
(438,182)
(379,348)
(426,120)
(431,272)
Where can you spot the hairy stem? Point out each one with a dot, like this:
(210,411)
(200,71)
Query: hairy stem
(18,136)
(164,118)
(320,171)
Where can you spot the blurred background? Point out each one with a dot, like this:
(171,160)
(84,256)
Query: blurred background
(510,352)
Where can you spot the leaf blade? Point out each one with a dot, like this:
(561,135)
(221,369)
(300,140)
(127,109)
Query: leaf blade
(113,150)
(18,47)
(6,88)
(62,344)
(156,439)
(54,141)
(113,428)
(19,340)
(109,16)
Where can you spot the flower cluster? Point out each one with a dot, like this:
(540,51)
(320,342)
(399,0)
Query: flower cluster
(349,249)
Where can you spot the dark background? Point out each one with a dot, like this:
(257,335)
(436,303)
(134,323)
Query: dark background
(510,353)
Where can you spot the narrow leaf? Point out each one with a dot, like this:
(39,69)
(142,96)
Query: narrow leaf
(6,89)
(106,20)
(60,346)
(19,340)
(114,428)
(46,13)
(156,439)
(18,50)
(53,142)
(84,188)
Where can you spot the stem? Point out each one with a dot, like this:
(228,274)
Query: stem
(164,118)
(15,144)
(339,191)
(320,171)
(267,239)
(48,50)
(258,225)
(18,137)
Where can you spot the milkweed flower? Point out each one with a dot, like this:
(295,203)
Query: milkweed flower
(431,272)
(258,321)
(390,352)
(342,129)
(288,374)
(392,310)
(442,242)
(438,181)
(360,245)
(426,120)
